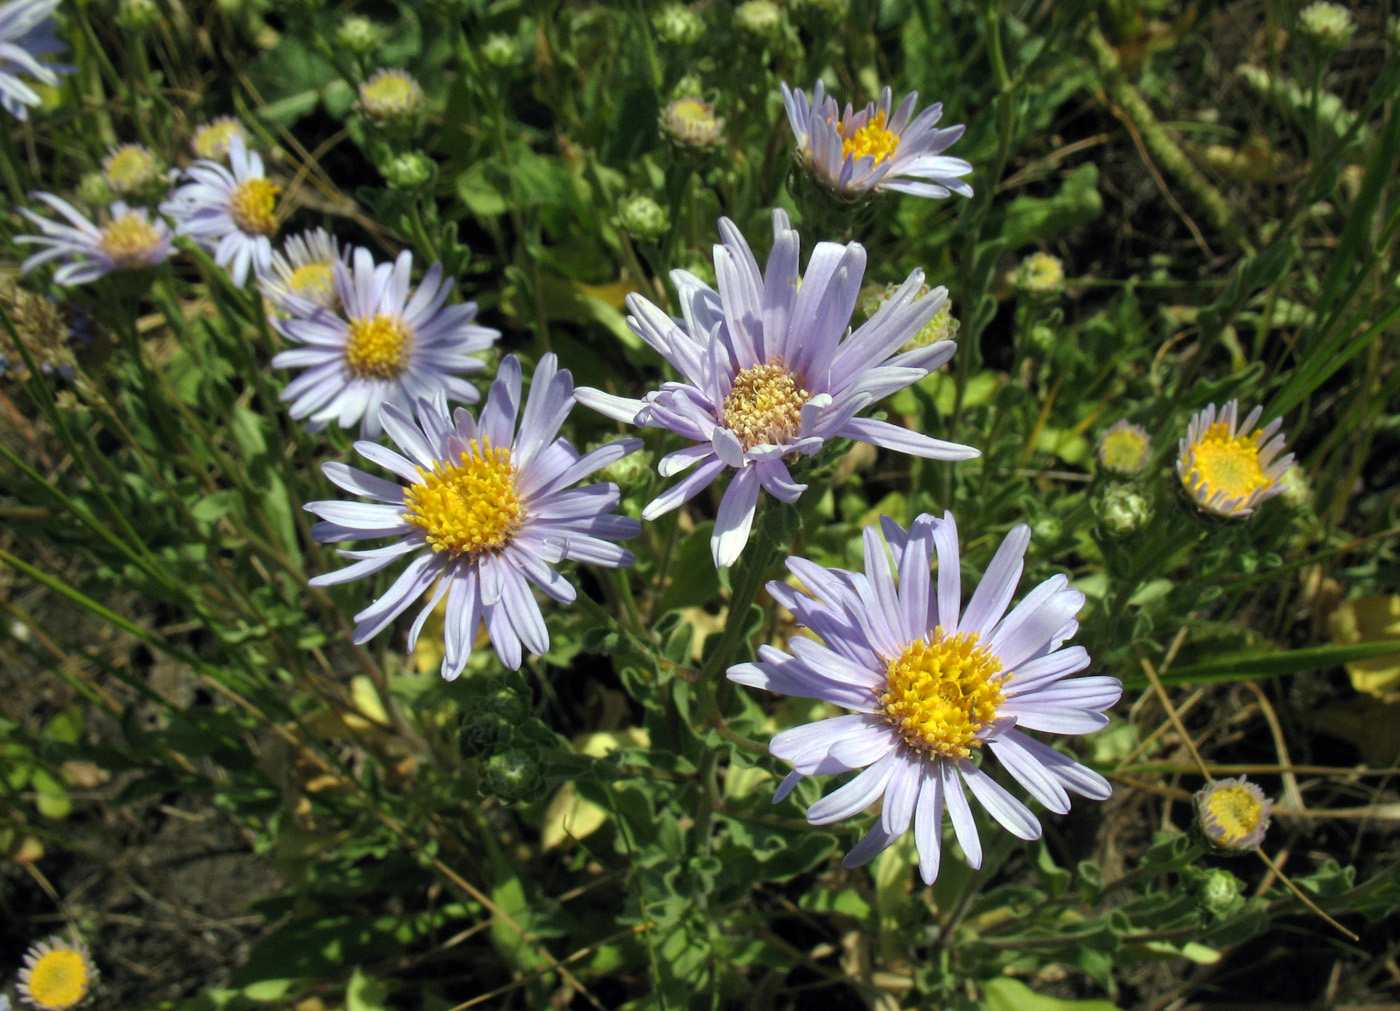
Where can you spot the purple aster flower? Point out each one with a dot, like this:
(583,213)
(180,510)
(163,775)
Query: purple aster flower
(1229,467)
(1233,814)
(230,211)
(128,241)
(770,372)
(302,276)
(486,511)
(386,348)
(26,36)
(856,152)
(931,684)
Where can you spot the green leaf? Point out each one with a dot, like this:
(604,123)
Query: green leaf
(1007,994)
(1243,666)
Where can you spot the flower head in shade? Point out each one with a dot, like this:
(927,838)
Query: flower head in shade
(876,148)
(1125,448)
(57,975)
(485,511)
(302,277)
(132,169)
(931,684)
(391,95)
(1233,814)
(231,212)
(690,121)
(388,345)
(211,140)
(129,240)
(770,373)
(1041,274)
(1228,467)
(26,37)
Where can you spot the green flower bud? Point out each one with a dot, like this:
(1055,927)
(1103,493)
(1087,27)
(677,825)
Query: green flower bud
(391,97)
(357,35)
(138,15)
(1329,26)
(1047,528)
(500,51)
(1122,510)
(1219,891)
(482,732)
(643,218)
(678,25)
(820,13)
(93,189)
(629,472)
(408,171)
(1297,489)
(513,775)
(690,84)
(762,19)
(1041,274)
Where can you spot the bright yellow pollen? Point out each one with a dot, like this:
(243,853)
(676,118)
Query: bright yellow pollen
(130,169)
(1225,464)
(313,282)
(59,979)
(940,693)
(765,405)
(469,507)
(1123,450)
(1236,813)
(254,206)
(871,139)
(378,347)
(129,240)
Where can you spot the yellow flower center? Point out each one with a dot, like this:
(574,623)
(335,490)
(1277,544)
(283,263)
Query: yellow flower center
(765,405)
(1123,450)
(59,979)
(1235,812)
(378,347)
(254,206)
(392,93)
(468,507)
(212,140)
(130,169)
(871,139)
(940,693)
(1225,464)
(129,240)
(692,120)
(313,283)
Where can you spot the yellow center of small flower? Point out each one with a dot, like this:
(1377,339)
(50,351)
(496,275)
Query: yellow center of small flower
(130,169)
(390,94)
(1123,450)
(378,346)
(1229,465)
(129,240)
(59,979)
(871,139)
(692,120)
(1235,811)
(765,405)
(468,507)
(313,282)
(212,141)
(940,693)
(254,206)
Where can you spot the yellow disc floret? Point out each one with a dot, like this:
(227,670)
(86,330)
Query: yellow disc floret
(378,346)
(1226,463)
(941,692)
(253,206)
(765,405)
(129,240)
(58,979)
(313,282)
(1125,448)
(130,168)
(469,507)
(870,139)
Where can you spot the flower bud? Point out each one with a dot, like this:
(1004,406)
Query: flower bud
(691,122)
(500,51)
(1219,891)
(410,170)
(762,19)
(678,25)
(138,15)
(1329,26)
(1125,448)
(1041,274)
(357,35)
(513,775)
(133,169)
(391,97)
(1122,510)
(643,218)
(1232,815)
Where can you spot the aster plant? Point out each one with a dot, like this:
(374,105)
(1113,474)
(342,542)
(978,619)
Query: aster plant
(486,510)
(930,685)
(771,372)
(129,240)
(876,148)
(388,345)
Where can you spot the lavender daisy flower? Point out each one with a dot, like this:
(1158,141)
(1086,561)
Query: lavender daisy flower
(856,152)
(130,240)
(386,348)
(486,510)
(1229,467)
(931,684)
(302,277)
(230,212)
(26,36)
(770,372)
